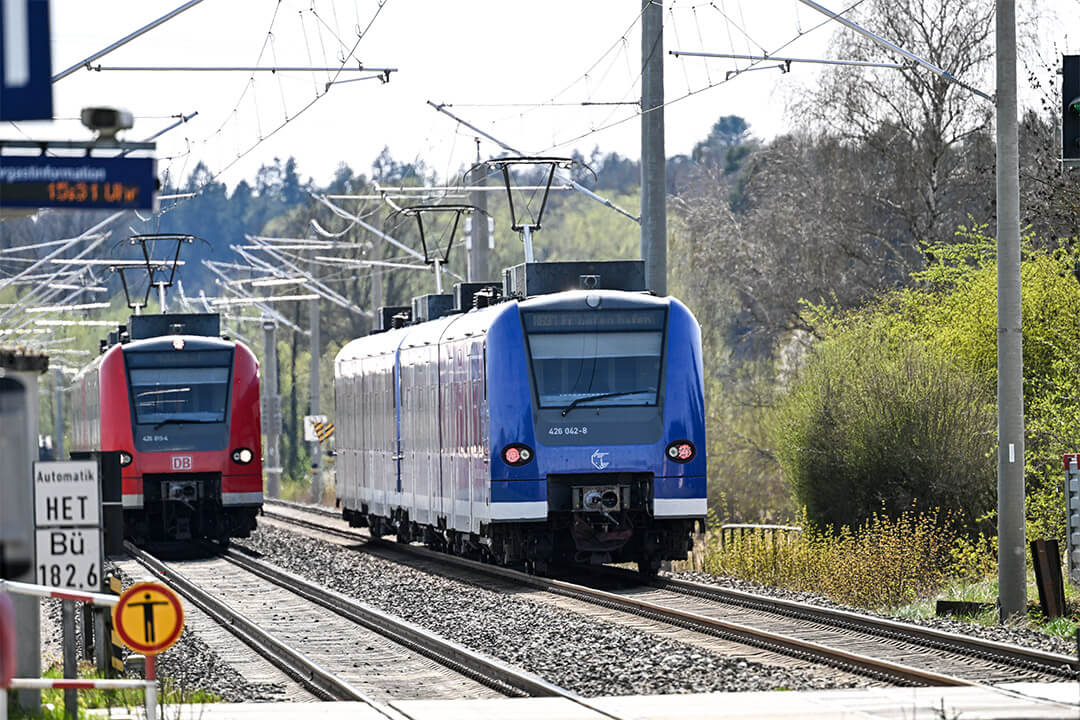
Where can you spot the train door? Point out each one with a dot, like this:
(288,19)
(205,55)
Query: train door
(477,480)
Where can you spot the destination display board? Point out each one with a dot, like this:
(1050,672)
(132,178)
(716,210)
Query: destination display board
(112,183)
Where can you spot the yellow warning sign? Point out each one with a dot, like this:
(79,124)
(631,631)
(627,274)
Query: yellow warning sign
(324,430)
(148,617)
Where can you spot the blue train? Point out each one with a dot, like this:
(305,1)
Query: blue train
(529,424)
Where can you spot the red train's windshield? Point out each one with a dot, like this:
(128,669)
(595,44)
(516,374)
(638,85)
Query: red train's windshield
(180,387)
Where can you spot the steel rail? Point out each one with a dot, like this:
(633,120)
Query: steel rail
(744,634)
(485,670)
(309,674)
(1031,658)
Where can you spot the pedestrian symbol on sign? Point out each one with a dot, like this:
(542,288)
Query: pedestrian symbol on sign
(148,615)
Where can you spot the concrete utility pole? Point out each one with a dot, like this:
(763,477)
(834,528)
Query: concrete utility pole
(316,465)
(1012,585)
(19,407)
(271,409)
(478,252)
(653,162)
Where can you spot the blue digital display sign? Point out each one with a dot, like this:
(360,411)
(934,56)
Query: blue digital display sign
(85,183)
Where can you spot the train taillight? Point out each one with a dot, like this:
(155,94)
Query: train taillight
(242,456)
(125,458)
(517,454)
(681,451)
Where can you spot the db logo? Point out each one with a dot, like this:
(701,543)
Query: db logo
(181,462)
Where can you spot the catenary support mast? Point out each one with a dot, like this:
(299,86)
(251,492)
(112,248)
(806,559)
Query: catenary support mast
(272,408)
(478,250)
(653,180)
(316,459)
(1012,585)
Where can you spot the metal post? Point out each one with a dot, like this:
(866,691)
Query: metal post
(161,297)
(478,253)
(271,409)
(377,293)
(437,267)
(316,469)
(67,620)
(86,621)
(151,687)
(653,162)
(1012,586)
(58,416)
(102,642)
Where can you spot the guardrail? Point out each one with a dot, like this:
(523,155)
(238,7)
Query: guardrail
(744,529)
(100,600)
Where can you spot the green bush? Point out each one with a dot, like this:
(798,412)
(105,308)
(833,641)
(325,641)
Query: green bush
(948,320)
(877,421)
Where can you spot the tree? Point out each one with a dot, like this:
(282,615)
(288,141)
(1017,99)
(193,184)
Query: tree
(728,132)
(917,121)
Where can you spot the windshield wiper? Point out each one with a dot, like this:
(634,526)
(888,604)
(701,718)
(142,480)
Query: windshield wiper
(181,421)
(602,396)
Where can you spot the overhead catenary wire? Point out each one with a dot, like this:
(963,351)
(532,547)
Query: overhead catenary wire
(265,307)
(728,78)
(576,185)
(785,59)
(262,136)
(838,17)
(313,284)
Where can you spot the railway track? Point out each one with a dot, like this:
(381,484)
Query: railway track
(354,651)
(883,649)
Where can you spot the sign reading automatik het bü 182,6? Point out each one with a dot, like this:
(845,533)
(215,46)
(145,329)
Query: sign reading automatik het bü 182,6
(67,516)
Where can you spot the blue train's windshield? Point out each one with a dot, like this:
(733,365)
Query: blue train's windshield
(180,387)
(596,357)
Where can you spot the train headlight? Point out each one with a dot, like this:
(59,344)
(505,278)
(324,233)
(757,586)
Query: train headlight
(517,454)
(242,456)
(125,458)
(681,451)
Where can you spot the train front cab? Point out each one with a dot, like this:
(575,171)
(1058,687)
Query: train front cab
(184,412)
(612,466)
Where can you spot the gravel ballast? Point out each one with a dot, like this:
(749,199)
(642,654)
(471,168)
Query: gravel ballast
(1012,634)
(192,665)
(578,653)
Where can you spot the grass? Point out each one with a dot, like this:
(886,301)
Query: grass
(899,566)
(52,701)
(300,490)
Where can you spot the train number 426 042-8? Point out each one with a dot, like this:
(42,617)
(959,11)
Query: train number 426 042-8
(568,430)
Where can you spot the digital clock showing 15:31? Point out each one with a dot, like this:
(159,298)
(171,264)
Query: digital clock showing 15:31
(88,182)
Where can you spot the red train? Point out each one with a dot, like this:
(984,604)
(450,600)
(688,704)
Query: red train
(181,405)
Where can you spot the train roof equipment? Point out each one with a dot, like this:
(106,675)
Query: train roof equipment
(154,269)
(522,224)
(532,278)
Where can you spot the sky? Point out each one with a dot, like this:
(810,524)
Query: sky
(516,70)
